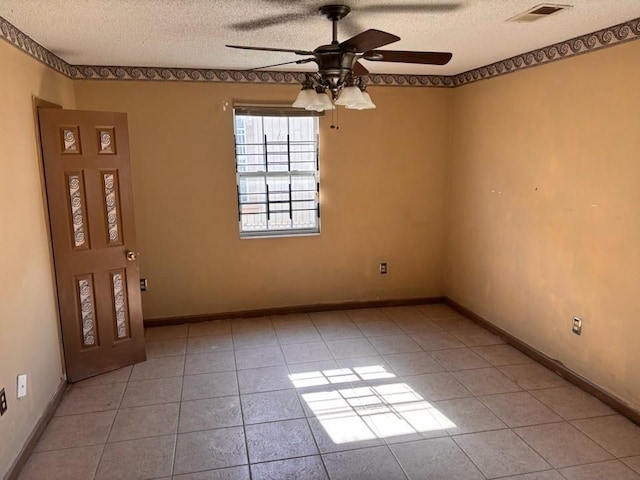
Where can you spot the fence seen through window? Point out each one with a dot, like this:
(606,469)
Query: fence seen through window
(277,171)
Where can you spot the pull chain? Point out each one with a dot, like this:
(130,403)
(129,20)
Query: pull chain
(335,125)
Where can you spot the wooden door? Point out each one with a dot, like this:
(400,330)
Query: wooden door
(90,198)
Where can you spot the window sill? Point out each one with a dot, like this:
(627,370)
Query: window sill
(264,235)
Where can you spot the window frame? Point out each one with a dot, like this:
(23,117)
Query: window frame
(242,197)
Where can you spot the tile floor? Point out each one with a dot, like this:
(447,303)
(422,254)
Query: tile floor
(392,393)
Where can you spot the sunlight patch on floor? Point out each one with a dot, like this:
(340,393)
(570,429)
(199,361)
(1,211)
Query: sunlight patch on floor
(359,412)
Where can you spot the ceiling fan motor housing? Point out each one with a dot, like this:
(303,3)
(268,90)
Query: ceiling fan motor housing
(334,66)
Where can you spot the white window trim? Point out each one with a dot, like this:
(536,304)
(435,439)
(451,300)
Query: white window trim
(286,111)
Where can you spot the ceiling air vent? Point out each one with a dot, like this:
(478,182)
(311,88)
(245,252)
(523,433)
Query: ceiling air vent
(539,12)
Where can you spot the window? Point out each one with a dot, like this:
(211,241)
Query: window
(277,171)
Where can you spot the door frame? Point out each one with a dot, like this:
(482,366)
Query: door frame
(38,103)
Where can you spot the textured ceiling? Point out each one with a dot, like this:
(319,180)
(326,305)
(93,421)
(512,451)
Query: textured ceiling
(192,33)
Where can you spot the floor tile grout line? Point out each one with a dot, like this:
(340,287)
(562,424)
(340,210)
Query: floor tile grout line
(614,457)
(509,477)
(400,442)
(453,438)
(305,418)
(315,441)
(104,445)
(195,472)
(507,427)
(144,437)
(532,447)
(97,444)
(95,470)
(326,337)
(116,442)
(404,471)
(175,443)
(593,439)
(364,447)
(84,413)
(480,399)
(75,386)
(295,457)
(244,427)
(295,389)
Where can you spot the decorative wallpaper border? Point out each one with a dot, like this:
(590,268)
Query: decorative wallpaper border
(90,72)
(606,37)
(32,48)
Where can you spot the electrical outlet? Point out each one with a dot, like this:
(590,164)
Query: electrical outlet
(143,284)
(3,402)
(577,326)
(22,385)
(383,268)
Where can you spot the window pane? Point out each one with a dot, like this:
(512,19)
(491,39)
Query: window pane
(251,163)
(302,129)
(252,189)
(303,162)
(253,208)
(250,151)
(303,182)
(308,205)
(275,128)
(251,128)
(254,222)
(267,149)
(304,219)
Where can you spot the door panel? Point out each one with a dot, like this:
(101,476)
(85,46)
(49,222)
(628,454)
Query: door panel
(90,198)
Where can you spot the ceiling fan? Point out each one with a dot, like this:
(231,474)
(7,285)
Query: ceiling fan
(338,62)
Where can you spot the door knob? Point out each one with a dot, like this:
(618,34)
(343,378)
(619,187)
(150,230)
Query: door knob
(132,256)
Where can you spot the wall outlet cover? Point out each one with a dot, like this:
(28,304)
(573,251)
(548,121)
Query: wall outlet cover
(577,326)
(22,385)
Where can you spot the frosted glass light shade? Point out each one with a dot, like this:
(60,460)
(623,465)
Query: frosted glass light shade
(305,98)
(366,105)
(350,97)
(321,102)
(369,103)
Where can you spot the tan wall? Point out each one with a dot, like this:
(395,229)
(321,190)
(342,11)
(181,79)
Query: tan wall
(29,341)
(382,191)
(544,210)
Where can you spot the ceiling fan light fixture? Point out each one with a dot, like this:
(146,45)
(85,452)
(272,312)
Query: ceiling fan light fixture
(363,103)
(321,101)
(367,105)
(306,97)
(351,97)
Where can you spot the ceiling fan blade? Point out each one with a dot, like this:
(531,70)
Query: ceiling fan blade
(304,60)
(359,70)
(368,40)
(400,56)
(267,49)
(265,22)
(411,8)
